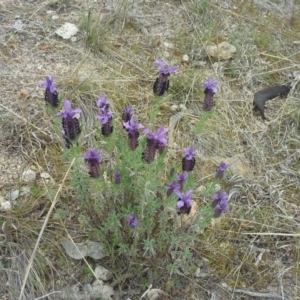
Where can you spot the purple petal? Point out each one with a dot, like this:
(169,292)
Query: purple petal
(159,63)
(67,106)
(180,195)
(180,204)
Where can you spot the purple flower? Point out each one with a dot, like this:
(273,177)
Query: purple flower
(218,198)
(184,202)
(131,126)
(93,158)
(93,155)
(132,221)
(161,84)
(163,69)
(222,168)
(155,141)
(158,136)
(182,178)
(48,83)
(171,187)
(51,95)
(117,177)
(149,154)
(102,101)
(70,124)
(209,92)
(127,114)
(210,85)
(104,115)
(68,112)
(133,133)
(189,153)
(188,162)
(221,208)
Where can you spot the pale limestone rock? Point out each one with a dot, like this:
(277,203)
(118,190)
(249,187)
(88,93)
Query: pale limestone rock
(223,50)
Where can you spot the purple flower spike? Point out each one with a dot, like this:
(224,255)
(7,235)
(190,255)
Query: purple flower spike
(210,85)
(188,162)
(131,126)
(149,154)
(48,83)
(161,84)
(182,178)
(93,158)
(117,177)
(68,112)
(51,95)
(155,141)
(209,92)
(104,115)
(220,172)
(221,208)
(70,124)
(133,133)
(102,101)
(163,69)
(132,221)
(189,153)
(218,198)
(160,136)
(171,187)
(184,202)
(127,114)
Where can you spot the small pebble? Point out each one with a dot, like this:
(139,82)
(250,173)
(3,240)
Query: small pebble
(185,58)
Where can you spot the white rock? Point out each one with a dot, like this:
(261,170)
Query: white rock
(102,273)
(185,58)
(55,17)
(168,45)
(182,106)
(13,195)
(28,176)
(223,50)
(80,250)
(46,175)
(18,25)
(67,30)
(166,54)
(104,292)
(201,274)
(5,206)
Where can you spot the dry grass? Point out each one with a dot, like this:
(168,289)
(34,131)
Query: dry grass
(255,246)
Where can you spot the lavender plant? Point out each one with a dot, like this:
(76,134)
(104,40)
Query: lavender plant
(128,198)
